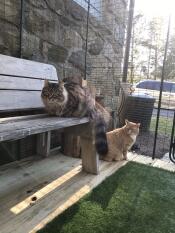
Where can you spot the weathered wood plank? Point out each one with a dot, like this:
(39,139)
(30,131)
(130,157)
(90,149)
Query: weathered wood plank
(71,145)
(25,68)
(90,158)
(78,130)
(43,144)
(24,179)
(16,83)
(14,187)
(21,118)
(17,175)
(47,121)
(12,131)
(16,100)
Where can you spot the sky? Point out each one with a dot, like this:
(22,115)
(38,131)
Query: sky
(152,8)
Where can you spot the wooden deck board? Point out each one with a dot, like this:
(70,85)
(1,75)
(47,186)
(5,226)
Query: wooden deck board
(56,181)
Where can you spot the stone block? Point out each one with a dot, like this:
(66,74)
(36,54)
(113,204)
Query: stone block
(96,46)
(77,59)
(9,39)
(57,54)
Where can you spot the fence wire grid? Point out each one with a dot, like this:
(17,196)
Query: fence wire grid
(87,38)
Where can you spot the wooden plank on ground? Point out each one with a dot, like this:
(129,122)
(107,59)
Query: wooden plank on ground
(64,189)
(30,171)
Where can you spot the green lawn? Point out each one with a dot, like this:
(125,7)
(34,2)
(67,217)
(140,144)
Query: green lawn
(136,199)
(165,125)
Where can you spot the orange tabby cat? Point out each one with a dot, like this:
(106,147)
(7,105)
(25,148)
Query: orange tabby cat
(120,141)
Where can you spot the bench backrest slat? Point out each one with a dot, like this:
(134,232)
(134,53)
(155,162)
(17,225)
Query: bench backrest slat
(21,82)
(25,68)
(18,83)
(17,100)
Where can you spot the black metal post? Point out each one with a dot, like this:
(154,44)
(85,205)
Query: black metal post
(172,143)
(161,89)
(20,55)
(21,28)
(128,40)
(86,45)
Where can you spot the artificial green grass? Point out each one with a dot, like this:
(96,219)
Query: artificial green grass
(136,199)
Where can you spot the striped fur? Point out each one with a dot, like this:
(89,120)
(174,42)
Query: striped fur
(101,138)
(69,99)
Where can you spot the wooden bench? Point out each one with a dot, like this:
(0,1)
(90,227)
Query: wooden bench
(21,82)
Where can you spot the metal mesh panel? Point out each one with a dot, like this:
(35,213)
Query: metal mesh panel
(151,71)
(80,38)
(105,45)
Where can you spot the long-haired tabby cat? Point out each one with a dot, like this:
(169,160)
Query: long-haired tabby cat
(120,141)
(70,99)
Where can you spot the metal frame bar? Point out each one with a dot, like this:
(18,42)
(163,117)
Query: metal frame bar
(172,143)
(86,46)
(21,28)
(161,88)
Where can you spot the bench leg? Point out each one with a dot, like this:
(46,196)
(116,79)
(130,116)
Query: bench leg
(90,159)
(71,145)
(43,144)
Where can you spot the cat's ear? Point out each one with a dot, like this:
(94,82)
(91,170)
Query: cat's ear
(126,121)
(46,83)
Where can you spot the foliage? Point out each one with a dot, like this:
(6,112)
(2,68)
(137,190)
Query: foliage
(147,48)
(170,62)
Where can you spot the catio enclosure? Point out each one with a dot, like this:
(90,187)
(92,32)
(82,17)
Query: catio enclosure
(86,38)
(80,38)
(95,40)
(151,71)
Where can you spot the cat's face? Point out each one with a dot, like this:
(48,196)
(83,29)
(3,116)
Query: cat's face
(132,128)
(53,91)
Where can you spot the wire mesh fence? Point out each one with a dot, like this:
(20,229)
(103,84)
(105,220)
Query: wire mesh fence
(81,38)
(151,69)
(86,38)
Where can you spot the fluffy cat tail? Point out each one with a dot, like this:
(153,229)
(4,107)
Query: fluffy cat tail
(101,138)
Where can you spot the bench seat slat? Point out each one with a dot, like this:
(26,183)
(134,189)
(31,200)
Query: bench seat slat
(21,118)
(20,129)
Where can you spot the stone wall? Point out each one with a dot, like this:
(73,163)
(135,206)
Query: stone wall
(54,31)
